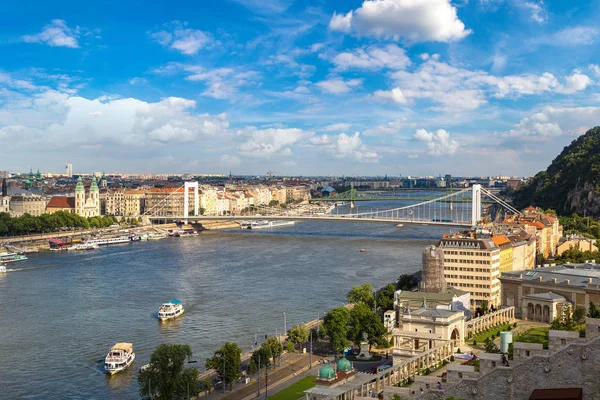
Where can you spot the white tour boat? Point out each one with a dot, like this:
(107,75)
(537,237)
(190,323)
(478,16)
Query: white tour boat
(119,357)
(11,257)
(269,224)
(83,246)
(155,235)
(169,310)
(112,240)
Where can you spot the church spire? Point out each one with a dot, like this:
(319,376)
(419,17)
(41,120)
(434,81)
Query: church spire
(94,185)
(79,186)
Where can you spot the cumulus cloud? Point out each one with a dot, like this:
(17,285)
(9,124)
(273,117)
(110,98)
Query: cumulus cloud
(455,88)
(346,147)
(438,142)
(537,11)
(372,57)
(395,95)
(552,122)
(391,128)
(230,161)
(338,85)
(407,20)
(595,68)
(178,37)
(266,143)
(57,34)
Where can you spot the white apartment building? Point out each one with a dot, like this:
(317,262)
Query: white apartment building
(473,265)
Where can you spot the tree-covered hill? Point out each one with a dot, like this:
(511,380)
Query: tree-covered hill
(571,183)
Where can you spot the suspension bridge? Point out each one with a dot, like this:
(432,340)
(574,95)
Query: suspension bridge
(354,195)
(461,208)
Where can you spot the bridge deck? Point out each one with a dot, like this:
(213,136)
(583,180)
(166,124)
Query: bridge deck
(334,218)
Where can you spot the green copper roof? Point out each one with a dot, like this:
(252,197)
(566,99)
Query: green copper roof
(326,372)
(344,365)
(79,186)
(94,185)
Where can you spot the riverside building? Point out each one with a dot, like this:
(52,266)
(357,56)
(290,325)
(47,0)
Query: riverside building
(473,265)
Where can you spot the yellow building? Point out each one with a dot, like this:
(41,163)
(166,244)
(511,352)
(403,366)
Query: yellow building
(133,203)
(473,265)
(506,253)
(575,242)
(31,204)
(167,202)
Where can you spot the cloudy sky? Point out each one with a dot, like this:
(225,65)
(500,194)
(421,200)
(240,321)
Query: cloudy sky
(411,87)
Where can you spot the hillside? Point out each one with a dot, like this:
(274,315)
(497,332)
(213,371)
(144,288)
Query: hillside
(571,183)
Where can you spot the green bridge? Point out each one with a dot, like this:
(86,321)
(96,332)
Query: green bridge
(355,195)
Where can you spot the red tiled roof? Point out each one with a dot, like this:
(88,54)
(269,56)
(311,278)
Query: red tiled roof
(61,202)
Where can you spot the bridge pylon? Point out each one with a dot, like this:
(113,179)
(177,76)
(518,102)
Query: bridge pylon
(476,205)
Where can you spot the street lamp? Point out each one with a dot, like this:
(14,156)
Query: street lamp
(267,383)
(284,323)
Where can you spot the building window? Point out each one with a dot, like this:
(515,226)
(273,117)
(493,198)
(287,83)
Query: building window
(563,342)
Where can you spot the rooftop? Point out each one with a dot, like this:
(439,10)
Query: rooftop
(61,202)
(577,274)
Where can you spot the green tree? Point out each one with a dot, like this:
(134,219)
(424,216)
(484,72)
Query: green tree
(565,321)
(364,320)
(262,356)
(484,307)
(335,325)
(289,346)
(593,312)
(226,361)
(273,203)
(385,298)
(362,294)
(206,386)
(406,282)
(579,315)
(166,376)
(491,347)
(252,368)
(275,347)
(298,334)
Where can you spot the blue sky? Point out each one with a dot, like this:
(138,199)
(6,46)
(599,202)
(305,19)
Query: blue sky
(411,87)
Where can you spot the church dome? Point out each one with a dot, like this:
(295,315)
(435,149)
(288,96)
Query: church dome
(344,365)
(326,372)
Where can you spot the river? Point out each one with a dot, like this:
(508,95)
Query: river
(61,312)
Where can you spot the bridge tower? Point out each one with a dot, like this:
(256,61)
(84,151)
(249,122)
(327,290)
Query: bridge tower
(476,205)
(186,199)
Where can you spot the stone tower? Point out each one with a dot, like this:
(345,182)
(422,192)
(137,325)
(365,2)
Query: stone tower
(95,196)
(433,280)
(79,197)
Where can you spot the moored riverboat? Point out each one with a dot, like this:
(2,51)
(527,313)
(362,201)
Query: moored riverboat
(11,257)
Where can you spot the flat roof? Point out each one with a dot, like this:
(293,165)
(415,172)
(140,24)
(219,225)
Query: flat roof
(577,274)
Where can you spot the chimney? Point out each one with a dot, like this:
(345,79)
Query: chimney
(567,281)
(540,278)
(590,280)
(554,280)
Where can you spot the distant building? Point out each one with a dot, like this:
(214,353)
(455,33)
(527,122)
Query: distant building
(60,203)
(575,283)
(5,199)
(31,204)
(328,191)
(575,242)
(90,206)
(69,170)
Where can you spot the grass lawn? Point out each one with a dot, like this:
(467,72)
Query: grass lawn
(296,390)
(481,338)
(534,335)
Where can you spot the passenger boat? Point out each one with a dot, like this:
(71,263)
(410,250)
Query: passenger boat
(269,224)
(170,310)
(83,246)
(186,232)
(11,257)
(156,235)
(113,240)
(119,357)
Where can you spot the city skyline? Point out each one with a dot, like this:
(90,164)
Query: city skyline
(493,87)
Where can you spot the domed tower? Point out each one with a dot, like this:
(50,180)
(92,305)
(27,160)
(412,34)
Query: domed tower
(79,197)
(343,365)
(95,196)
(326,373)
(433,280)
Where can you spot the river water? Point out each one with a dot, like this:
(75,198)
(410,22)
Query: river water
(61,312)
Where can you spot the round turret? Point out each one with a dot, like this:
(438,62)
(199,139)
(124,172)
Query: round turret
(343,365)
(326,372)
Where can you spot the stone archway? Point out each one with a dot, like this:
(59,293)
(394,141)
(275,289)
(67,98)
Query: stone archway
(546,314)
(530,311)
(538,312)
(455,336)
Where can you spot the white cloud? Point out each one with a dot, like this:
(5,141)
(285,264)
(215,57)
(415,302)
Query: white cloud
(395,95)
(573,36)
(341,126)
(372,57)
(455,88)
(56,119)
(595,68)
(137,81)
(346,147)
(178,37)
(438,142)
(389,129)
(537,11)
(299,69)
(230,161)
(552,122)
(408,20)
(266,143)
(338,85)
(57,33)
